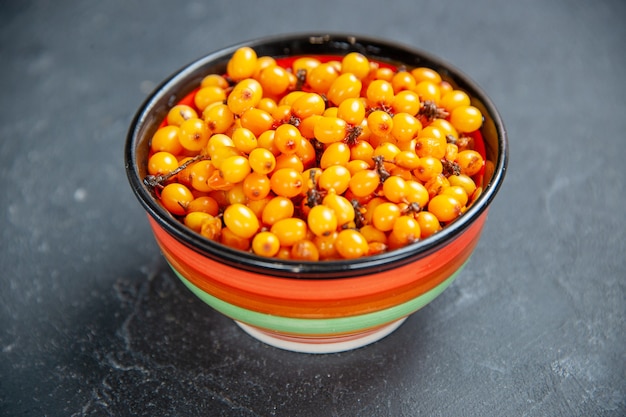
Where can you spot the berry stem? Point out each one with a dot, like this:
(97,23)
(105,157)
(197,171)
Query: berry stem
(154,181)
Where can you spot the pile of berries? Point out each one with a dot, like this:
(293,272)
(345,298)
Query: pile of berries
(318,157)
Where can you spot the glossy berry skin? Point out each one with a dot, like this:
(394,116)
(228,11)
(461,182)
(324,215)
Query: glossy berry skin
(241,220)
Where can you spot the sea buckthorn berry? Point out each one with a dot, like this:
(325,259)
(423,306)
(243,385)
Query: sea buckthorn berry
(445,87)
(256,186)
(256,120)
(405,127)
(454,99)
(287,139)
(277,208)
(166,139)
(344,211)
(305,63)
(445,127)
(364,183)
(286,182)
(380,93)
(385,216)
(464,181)
(257,206)
(162,163)
(425,74)
(200,172)
(432,131)
(196,219)
(219,118)
(179,113)
(402,80)
(362,150)
(263,62)
(445,207)
(382,73)
(337,153)
(429,224)
(466,118)
(212,228)
(326,246)
(330,129)
(305,250)
(289,231)
(274,79)
(204,204)
(289,98)
(262,161)
(406,230)
(194,134)
(282,114)
(307,126)
(245,95)
(244,139)
(335,177)
(403,173)
(175,198)
(207,95)
(470,162)
(292,161)
(345,86)
(307,105)
(214,79)
(352,110)
(372,234)
(416,193)
(356,64)
(457,192)
(380,123)
(232,240)
(387,151)
(265,244)
(266,141)
(427,168)
(322,220)
(394,189)
(331,111)
(306,153)
(242,64)
(236,194)
(406,159)
(235,168)
(357,165)
(428,91)
(351,244)
(406,101)
(241,220)
(436,185)
(321,77)
(452,151)
(218,141)
(429,146)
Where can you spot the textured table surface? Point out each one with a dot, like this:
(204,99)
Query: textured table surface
(93,323)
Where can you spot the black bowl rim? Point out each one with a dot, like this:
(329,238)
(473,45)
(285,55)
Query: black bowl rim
(175,87)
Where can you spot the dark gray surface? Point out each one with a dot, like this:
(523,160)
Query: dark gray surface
(93,323)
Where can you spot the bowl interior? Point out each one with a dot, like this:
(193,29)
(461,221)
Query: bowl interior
(183,82)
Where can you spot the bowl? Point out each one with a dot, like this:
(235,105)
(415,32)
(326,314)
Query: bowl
(324,306)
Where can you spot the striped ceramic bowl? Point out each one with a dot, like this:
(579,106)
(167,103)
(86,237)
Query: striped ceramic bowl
(327,306)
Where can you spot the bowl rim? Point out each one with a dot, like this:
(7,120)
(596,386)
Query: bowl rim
(186,79)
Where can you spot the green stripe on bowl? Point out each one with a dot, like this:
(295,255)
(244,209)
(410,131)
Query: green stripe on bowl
(312,327)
